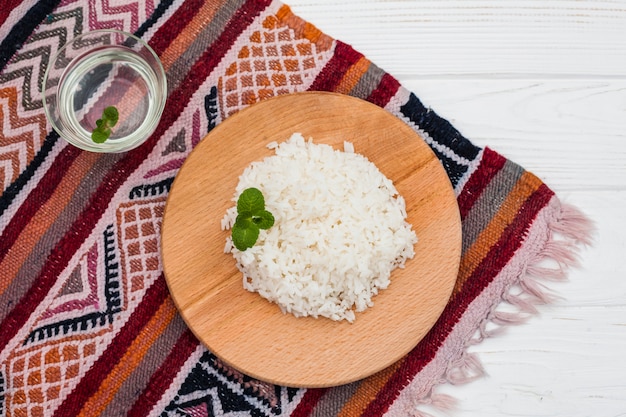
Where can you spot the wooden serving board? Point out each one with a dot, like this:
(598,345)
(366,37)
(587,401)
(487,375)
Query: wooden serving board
(253,335)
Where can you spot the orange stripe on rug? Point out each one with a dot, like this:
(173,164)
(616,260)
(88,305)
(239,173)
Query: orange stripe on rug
(353,75)
(202,18)
(523,189)
(368,391)
(132,358)
(45,217)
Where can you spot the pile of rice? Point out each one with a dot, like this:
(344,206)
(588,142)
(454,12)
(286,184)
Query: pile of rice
(340,229)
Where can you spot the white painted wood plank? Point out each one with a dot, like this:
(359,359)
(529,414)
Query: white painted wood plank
(495,37)
(543,83)
(543,125)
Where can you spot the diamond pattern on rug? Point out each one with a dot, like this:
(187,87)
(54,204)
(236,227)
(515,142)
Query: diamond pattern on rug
(79,321)
(214,389)
(139,225)
(276,61)
(81,304)
(179,146)
(80,290)
(39,374)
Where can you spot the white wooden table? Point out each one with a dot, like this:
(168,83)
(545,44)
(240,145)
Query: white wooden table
(543,83)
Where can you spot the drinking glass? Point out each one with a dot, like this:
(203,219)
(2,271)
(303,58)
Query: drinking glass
(100,69)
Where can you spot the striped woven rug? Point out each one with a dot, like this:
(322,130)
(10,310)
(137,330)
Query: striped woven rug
(87,324)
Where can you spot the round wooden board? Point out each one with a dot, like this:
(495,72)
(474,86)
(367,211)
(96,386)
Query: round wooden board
(252,334)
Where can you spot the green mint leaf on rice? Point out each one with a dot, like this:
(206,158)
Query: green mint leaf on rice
(263,219)
(244,237)
(251,218)
(244,220)
(251,200)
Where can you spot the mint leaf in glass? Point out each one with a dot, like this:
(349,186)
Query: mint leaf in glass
(102,131)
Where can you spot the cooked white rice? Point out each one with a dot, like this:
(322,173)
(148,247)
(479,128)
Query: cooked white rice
(340,229)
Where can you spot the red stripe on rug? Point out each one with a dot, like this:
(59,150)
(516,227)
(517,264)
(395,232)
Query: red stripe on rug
(490,165)
(38,197)
(309,401)
(175,25)
(90,383)
(36,293)
(162,378)
(343,59)
(387,88)
(7,8)
(83,226)
(499,255)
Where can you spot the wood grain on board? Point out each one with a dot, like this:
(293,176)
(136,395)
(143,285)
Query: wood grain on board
(250,333)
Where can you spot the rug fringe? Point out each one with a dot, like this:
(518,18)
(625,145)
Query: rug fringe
(575,225)
(438,402)
(435,400)
(568,230)
(466,369)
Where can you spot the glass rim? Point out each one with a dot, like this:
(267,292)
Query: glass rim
(107,146)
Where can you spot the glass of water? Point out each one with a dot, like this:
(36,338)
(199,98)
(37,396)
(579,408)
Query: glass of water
(98,70)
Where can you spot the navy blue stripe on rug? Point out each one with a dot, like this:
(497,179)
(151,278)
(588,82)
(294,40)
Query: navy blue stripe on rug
(438,128)
(442,132)
(454,170)
(24,28)
(2,389)
(156,15)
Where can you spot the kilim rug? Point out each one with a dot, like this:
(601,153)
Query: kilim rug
(87,325)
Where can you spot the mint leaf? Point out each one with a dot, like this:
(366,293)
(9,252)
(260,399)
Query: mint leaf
(245,220)
(250,201)
(100,135)
(102,131)
(111,115)
(251,218)
(263,219)
(244,237)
